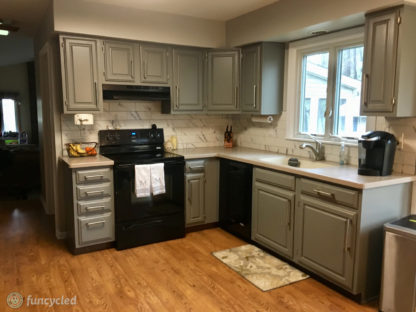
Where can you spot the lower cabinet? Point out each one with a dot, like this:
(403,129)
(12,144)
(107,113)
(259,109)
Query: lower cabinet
(325,239)
(90,208)
(201,191)
(273,212)
(195,194)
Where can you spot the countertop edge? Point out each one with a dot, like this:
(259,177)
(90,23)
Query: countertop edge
(86,162)
(395,179)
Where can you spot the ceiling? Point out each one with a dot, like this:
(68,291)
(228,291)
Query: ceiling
(26,14)
(220,10)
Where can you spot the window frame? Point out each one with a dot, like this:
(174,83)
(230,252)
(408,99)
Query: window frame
(332,43)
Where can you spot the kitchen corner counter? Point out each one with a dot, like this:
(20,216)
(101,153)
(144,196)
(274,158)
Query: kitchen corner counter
(333,173)
(87,162)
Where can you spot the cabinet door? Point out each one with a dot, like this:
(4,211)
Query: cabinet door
(250,79)
(188,80)
(80,74)
(223,81)
(195,211)
(325,239)
(380,61)
(119,61)
(272,224)
(154,64)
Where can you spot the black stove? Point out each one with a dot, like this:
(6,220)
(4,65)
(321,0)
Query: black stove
(150,219)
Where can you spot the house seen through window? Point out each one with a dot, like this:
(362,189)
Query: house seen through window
(330,91)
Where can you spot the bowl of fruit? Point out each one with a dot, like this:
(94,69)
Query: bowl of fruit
(81,149)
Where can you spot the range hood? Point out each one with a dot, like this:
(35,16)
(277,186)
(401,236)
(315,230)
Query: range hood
(129,92)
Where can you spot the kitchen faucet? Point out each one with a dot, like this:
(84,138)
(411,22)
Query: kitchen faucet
(318,150)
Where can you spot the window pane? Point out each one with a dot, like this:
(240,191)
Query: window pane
(9,115)
(348,122)
(313,93)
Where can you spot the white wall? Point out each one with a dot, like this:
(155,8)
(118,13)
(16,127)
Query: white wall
(83,17)
(293,19)
(13,78)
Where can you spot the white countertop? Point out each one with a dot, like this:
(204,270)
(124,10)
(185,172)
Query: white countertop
(343,175)
(88,161)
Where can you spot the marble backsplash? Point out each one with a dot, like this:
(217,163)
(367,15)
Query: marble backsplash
(272,137)
(191,130)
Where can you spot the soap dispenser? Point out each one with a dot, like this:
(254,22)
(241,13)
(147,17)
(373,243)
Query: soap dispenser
(342,154)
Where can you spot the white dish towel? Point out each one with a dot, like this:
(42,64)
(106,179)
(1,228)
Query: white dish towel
(157,174)
(142,180)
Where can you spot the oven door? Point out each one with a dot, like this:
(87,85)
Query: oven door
(130,208)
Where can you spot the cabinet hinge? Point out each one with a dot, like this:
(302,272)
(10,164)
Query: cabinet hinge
(399,20)
(62,44)
(393,101)
(65,102)
(102,48)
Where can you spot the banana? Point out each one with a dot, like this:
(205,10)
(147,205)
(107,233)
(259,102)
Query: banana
(79,149)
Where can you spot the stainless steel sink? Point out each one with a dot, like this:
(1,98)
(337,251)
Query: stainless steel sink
(304,163)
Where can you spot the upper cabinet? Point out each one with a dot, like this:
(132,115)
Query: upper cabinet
(119,61)
(389,71)
(154,64)
(81,87)
(262,70)
(223,83)
(188,75)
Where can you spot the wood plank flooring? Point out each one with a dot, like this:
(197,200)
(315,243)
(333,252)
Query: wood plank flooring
(178,275)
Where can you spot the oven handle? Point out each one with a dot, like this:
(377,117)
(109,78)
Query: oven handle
(167,163)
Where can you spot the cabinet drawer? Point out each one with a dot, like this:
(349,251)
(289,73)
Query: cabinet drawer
(331,193)
(95,175)
(94,229)
(95,206)
(94,191)
(276,178)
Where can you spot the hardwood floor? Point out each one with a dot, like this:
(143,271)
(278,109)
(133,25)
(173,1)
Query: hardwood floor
(178,275)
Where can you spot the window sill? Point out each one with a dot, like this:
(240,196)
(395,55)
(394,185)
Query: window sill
(352,143)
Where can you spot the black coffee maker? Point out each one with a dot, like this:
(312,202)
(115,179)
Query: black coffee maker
(376,153)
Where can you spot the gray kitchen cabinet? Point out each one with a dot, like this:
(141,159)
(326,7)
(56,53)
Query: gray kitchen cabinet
(195,187)
(262,70)
(201,192)
(325,239)
(81,87)
(119,61)
(223,81)
(90,208)
(273,210)
(155,63)
(188,80)
(389,65)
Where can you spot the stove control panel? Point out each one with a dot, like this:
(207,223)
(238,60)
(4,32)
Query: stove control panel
(131,136)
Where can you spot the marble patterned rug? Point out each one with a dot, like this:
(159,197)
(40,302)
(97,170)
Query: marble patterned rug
(261,269)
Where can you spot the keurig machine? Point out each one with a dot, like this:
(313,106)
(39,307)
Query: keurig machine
(376,153)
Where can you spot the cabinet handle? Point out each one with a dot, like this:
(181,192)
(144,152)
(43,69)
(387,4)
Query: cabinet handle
(366,79)
(94,177)
(254,96)
(235,96)
(196,167)
(89,224)
(289,219)
(177,96)
(324,194)
(144,70)
(96,92)
(347,242)
(190,192)
(91,193)
(94,208)
(131,67)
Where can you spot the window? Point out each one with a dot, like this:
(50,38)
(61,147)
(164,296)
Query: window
(8,107)
(324,81)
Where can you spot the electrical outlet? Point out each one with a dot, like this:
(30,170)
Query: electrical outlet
(83,119)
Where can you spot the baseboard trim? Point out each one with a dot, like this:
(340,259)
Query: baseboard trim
(200,227)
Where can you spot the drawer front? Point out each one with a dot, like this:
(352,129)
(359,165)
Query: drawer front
(95,229)
(95,206)
(275,178)
(195,165)
(329,192)
(94,191)
(94,176)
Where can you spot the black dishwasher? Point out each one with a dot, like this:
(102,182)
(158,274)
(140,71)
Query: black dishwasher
(235,198)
